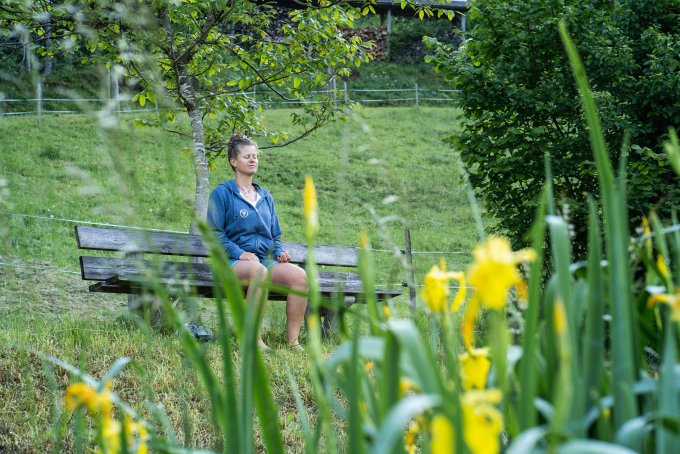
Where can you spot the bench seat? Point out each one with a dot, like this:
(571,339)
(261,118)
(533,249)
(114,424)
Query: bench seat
(131,275)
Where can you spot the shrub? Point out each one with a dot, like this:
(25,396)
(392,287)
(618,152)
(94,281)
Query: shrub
(520,103)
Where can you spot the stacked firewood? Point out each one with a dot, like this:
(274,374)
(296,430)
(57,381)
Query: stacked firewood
(376,35)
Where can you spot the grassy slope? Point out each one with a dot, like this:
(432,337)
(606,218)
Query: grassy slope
(70,168)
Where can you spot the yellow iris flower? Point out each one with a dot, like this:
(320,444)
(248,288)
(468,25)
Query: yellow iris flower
(407,385)
(672,300)
(436,288)
(101,404)
(410,437)
(494,270)
(311,207)
(136,436)
(483,422)
(81,394)
(442,441)
(661,265)
(474,368)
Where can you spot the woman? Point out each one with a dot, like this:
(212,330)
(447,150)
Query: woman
(243,217)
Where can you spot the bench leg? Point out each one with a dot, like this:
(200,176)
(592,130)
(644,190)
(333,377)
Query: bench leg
(328,321)
(329,324)
(149,308)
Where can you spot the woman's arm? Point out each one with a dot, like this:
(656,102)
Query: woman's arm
(218,213)
(276,232)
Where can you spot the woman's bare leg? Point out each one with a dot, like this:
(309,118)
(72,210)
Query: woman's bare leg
(294,277)
(252,272)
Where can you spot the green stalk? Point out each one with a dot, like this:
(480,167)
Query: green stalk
(318,372)
(675,244)
(367,274)
(666,440)
(527,375)
(593,342)
(563,392)
(352,369)
(569,375)
(623,372)
(255,387)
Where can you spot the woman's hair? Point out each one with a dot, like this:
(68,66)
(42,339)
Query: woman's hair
(234,146)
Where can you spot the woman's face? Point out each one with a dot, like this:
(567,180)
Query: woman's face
(246,160)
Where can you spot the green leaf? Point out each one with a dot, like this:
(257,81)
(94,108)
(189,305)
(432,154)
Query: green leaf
(392,430)
(617,237)
(526,441)
(592,447)
(113,372)
(672,148)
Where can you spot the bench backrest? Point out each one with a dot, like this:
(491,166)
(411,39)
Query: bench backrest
(184,244)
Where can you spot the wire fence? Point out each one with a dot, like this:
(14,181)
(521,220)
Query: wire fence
(104,224)
(415,96)
(40,267)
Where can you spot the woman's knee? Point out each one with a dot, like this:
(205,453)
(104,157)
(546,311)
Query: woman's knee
(251,271)
(299,278)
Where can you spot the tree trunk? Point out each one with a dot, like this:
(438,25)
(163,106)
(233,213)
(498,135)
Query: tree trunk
(188,96)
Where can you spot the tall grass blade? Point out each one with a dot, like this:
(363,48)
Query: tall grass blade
(675,246)
(623,362)
(592,355)
(667,441)
(307,435)
(231,424)
(354,397)
(253,370)
(113,371)
(367,274)
(472,199)
(391,374)
(528,366)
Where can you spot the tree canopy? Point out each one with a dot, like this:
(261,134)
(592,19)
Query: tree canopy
(520,103)
(206,57)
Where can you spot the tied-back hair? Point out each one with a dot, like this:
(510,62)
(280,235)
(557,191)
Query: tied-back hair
(234,146)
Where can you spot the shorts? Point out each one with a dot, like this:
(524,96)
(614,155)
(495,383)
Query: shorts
(267,262)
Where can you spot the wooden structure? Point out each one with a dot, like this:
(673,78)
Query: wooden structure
(132,273)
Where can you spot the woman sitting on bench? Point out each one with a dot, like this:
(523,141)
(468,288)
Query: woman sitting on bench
(242,215)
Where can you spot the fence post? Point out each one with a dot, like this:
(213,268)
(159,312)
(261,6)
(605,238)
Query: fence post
(115,94)
(344,85)
(335,91)
(38,95)
(417,96)
(411,274)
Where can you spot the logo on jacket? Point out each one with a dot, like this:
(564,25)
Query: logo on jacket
(244,213)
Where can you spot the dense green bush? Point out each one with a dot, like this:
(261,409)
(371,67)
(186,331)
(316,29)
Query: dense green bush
(521,105)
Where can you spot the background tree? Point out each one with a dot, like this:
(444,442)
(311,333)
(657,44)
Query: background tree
(520,103)
(206,56)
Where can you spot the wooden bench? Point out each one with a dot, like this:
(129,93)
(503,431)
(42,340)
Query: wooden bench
(129,273)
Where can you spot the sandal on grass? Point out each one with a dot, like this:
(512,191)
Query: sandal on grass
(296,346)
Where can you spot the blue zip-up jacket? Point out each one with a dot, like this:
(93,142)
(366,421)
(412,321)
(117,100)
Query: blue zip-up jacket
(242,228)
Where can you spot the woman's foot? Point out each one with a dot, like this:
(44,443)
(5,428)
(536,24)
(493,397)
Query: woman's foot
(296,346)
(262,346)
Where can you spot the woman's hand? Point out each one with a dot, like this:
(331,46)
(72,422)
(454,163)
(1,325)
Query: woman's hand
(249,256)
(284,257)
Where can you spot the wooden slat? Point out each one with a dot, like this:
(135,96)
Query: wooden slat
(183,244)
(127,275)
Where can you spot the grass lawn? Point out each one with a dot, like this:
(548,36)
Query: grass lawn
(383,171)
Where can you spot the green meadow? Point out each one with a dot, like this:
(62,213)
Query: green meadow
(383,171)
